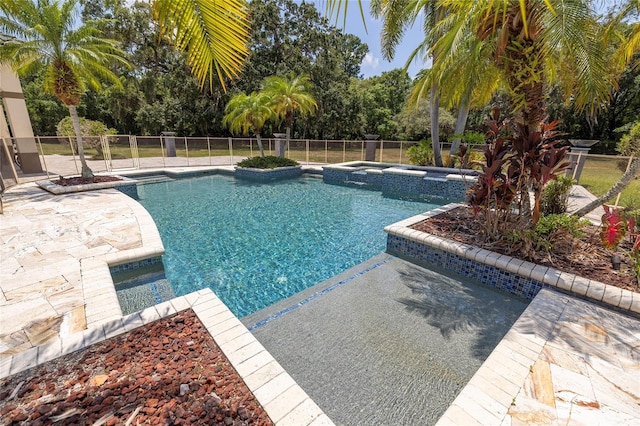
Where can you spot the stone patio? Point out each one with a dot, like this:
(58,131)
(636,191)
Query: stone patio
(564,361)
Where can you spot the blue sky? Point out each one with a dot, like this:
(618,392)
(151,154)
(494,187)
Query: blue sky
(374,64)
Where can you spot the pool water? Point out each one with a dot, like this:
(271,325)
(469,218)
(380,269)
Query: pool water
(255,244)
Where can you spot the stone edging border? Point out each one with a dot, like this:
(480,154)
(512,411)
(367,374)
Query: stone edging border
(525,273)
(56,189)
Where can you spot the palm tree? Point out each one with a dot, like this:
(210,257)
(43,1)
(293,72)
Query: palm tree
(397,16)
(288,96)
(214,35)
(72,56)
(248,113)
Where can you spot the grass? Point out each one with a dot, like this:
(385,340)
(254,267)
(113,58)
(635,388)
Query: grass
(598,176)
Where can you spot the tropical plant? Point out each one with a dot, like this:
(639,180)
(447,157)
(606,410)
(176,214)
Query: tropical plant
(517,161)
(213,34)
(421,154)
(289,96)
(73,56)
(268,162)
(248,113)
(397,17)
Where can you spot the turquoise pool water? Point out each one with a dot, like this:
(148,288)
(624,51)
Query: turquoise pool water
(255,244)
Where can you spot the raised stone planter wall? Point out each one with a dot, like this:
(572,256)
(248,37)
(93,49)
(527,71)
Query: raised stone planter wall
(506,273)
(268,174)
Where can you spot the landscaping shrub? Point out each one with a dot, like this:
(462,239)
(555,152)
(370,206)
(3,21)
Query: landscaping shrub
(267,162)
(421,154)
(555,196)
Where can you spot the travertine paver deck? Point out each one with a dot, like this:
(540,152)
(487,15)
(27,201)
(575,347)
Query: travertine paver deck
(564,359)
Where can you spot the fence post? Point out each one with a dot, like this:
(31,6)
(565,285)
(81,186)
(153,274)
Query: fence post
(307,152)
(361,150)
(230,151)
(162,150)
(209,149)
(381,148)
(400,160)
(44,160)
(326,151)
(186,148)
(344,150)
(73,154)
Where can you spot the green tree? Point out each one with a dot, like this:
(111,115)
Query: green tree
(289,96)
(72,55)
(397,16)
(289,37)
(248,113)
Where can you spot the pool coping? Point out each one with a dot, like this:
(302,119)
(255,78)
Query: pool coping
(572,284)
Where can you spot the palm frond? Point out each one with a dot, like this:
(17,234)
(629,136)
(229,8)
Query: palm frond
(214,35)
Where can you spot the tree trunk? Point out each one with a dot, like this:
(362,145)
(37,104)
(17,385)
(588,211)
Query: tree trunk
(86,171)
(259,141)
(434,105)
(461,121)
(288,134)
(625,180)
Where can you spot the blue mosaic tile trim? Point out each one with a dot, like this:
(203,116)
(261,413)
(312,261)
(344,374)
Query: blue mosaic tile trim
(486,274)
(130,190)
(316,295)
(135,265)
(268,175)
(156,293)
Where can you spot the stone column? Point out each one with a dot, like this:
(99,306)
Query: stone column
(371,144)
(19,121)
(281,143)
(170,143)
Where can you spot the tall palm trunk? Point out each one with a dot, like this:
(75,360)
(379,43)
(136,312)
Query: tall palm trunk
(625,180)
(461,120)
(434,105)
(86,171)
(259,141)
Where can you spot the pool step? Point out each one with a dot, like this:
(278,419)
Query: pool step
(143,180)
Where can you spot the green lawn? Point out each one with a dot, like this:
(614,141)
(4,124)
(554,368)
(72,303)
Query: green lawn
(600,174)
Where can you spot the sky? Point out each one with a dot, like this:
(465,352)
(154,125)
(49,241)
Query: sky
(373,63)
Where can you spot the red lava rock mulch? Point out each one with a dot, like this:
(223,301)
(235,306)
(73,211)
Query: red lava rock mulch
(169,372)
(584,256)
(73,181)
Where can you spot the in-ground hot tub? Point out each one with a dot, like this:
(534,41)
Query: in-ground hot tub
(401,180)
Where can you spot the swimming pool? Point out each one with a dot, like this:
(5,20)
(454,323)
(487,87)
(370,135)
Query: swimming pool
(255,244)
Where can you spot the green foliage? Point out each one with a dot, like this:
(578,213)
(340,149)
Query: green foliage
(555,196)
(91,132)
(550,234)
(629,144)
(421,154)
(88,128)
(548,225)
(267,162)
(517,160)
(415,123)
